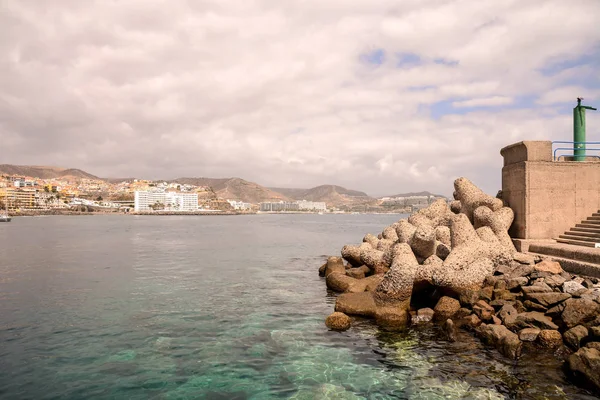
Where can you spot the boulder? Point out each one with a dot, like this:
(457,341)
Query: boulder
(554,280)
(515,283)
(338,321)
(579,312)
(520,270)
(450,330)
(483,310)
(548,299)
(508,315)
(534,319)
(505,341)
(549,338)
(575,335)
(549,266)
(529,334)
(538,287)
(424,315)
(442,250)
(471,321)
(446,308)
(356,304)
(572,287)
(531,306)
(585,365)
(524,258)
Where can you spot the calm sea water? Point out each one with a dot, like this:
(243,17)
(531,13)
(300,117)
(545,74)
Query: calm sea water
(126,307)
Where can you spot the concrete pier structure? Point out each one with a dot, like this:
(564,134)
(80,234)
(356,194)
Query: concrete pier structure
(547,196)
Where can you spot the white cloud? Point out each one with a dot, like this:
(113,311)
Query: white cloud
(484,102)
(280,93)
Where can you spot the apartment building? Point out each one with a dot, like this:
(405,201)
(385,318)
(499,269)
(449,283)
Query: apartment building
(165,201)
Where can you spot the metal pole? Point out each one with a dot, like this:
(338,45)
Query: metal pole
(579,130)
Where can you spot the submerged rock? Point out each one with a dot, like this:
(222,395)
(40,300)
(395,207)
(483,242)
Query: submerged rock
(338,321)
(585,364)
(505,341)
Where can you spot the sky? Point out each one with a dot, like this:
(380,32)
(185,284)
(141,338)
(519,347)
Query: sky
(382,96)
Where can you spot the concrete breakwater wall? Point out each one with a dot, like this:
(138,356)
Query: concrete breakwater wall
(456,264)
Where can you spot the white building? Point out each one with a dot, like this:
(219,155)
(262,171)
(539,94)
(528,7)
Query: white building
(239,205)
(165,201)
(312,205)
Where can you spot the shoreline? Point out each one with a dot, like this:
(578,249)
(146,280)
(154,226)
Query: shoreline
(45,213)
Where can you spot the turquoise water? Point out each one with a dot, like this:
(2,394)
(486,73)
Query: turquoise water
(142,307)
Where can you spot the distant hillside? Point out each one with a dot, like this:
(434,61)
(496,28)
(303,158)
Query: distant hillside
(331,194)
(415,194)
(43,172)
(236,189)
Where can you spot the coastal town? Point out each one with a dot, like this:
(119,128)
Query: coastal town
(66,194)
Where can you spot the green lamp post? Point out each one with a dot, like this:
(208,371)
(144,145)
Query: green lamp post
(579,130)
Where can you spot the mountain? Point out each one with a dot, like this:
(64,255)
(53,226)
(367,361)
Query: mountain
(425,193)
(44,172)
(236,189)
(331,194)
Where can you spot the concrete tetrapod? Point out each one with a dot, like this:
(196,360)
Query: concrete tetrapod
(392,295)
(471,197)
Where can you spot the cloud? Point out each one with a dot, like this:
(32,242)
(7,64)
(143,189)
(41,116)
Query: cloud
(376,95)
(483,102)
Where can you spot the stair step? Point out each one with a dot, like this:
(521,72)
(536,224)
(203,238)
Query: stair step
(580,238)
(593,218)
(588,230)
(596,214)
(588,224)
(573,232)
(575,242)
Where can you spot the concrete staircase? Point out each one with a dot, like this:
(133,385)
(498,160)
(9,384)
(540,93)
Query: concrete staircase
(586,234)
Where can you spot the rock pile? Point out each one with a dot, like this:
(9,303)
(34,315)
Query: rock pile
(456,264)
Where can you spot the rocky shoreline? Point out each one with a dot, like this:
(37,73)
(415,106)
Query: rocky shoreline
(456,265)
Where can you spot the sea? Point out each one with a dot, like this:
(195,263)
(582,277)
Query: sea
(221,307)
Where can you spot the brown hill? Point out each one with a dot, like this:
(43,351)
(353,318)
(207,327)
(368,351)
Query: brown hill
(44,172)
(236,189)
(331,194)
